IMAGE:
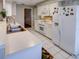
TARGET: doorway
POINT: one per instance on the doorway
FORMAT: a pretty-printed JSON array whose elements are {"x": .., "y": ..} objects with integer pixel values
[{"x": 27, "y": 18}]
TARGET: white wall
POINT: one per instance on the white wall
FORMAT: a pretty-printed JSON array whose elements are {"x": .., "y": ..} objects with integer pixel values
[
  {"x": 1, "y": 6},
  {"x": 9, "y": 8},
  {"x": 14, "y": 9},
  {"x": 20, "y": 13}
]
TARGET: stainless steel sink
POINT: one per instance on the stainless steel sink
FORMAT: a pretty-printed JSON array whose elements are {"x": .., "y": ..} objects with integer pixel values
[{"x": 14, "y": 30}]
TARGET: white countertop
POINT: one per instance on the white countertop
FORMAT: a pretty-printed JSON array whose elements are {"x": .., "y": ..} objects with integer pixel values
[
  {"x": 17, "y": 41},
  {"x": 21, "y": 40}
]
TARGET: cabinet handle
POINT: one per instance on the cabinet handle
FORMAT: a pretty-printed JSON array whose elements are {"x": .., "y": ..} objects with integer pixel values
[{"x": 56, "y": 24}]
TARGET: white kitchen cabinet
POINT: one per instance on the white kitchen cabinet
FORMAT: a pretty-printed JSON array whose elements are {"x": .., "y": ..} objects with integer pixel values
[
  {"x": 43, "y": 10},
  {"x": 46, "y": 11},
  {"x": 51, "y": 7},
  {"x": 48, "y": 30},
  {"x": 36, "y": 22},
  {"x": 39, "y": 10}
]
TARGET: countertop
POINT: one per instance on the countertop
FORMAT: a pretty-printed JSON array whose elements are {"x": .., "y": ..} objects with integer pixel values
[
  {"x": 21, "y": 40},
  {"x": 17, "y": 41}
]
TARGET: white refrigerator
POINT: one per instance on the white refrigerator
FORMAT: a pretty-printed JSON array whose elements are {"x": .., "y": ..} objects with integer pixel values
[{"x": 68, "y": 29}]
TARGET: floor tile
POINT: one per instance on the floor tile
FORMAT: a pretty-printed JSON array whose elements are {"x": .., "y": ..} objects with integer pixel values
[
  {"x": 59, "y": 56},
  {"x": 54, "y": 50},
  {"x": 71, "y": 57},
  {"x": 64, "y": 54},
  {"x": 47, "y": 44},
  {"x": 50, "y": 47}
]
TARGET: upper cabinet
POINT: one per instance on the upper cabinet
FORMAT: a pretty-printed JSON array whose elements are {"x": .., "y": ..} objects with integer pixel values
[
  {"x": 46, "y": 10},
  {"x": 52, "y": 8},
  {"x": 43, "y": 10}
]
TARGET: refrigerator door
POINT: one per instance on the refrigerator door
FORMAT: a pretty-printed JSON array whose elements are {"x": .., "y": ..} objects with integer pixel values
[
  {"x": 68, "y": 31},
  {"x": 55, "y": 26}
]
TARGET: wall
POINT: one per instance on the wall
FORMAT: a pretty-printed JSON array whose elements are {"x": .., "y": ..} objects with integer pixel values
[
  {"x": 20, "y": 13},
  {"x": 14, "y": 9},
  {"x": 9, "y": 8},
  {"x": 1, "y": 6}
]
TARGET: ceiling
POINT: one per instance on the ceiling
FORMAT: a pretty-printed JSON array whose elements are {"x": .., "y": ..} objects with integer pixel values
[
  {"x": 32, "y": 2},
  {"x": 27, "y": 2}
]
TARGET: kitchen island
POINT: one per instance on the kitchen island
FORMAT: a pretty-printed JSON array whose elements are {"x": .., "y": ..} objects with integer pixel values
[
  {"x": 23, "y": 45},
  {"x": 19, "y": 45}
]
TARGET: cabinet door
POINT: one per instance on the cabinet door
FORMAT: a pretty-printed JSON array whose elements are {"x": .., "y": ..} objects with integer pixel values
[
  {"x": 68, "y": 31},
  {"x": 36, "y": 25},
  {"x": 39, "y": 10},
  {"x": 56, "y": 34},
  {"x": 43, "y": 10},
  {"x": 51, "y": 8},
  {"x": 48, "y": 30}
]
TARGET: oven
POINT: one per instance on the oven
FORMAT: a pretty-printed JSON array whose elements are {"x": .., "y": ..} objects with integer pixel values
[{"x": 41, "y": 28}]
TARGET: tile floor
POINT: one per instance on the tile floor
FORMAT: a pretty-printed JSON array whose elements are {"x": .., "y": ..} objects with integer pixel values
[{"x": 51, "y": 48}]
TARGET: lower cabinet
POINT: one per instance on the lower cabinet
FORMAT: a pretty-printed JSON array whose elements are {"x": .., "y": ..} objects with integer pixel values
[
  {"x": 36, "y": 25},
  {"x": 48, "y": 31},
  {"x": 44, "y": 28}
]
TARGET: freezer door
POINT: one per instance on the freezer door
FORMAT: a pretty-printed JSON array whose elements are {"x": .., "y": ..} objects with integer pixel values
[{"x": 67, "y": 28}]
